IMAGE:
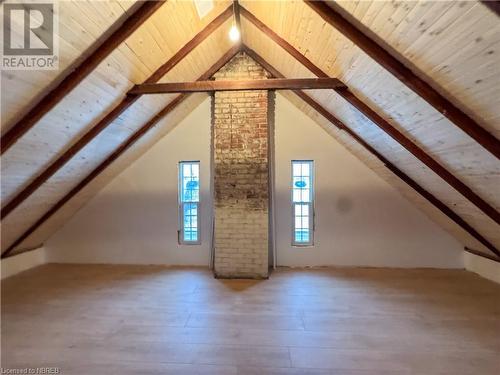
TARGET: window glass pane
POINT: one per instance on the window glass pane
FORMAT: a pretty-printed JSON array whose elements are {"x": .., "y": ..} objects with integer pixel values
[
  {"x": 301, "y": 223},
  {"x": 190, "y": 213},
  {"x": 189, "y": 196},
  {"x": 302, "y": 198},
  {"x": 298, "y": 222},
  {"x": 301, "y": 181},
  {"x": 301, "y": 236},
  {"x": 190, "y": 182},
  {"x": 305, "y": 169},
  {"x": 186, "y": 169},
  {"x": 296, "y": 195},
  {"x": 305, "y": 195},
  {"x": 304, "y": 209},
  {"x": 305, "y": 222},
  {"x": 296, "y": 168}
]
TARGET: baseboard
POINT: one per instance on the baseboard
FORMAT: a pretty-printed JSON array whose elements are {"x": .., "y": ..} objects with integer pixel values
[
  {"x": 22, "y": 262},
  {"x": 484, "y": 267}
]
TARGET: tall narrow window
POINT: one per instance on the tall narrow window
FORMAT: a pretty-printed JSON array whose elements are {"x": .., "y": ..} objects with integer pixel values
[
  {"x": 302, "y": 202},
  {"x": 189, "y": 202}
]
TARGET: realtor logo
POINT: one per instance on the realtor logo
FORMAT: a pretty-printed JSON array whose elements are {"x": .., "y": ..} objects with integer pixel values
[{"x": 29, "y": 36}]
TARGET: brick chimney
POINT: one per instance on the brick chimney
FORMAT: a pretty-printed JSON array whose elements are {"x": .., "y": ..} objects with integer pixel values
[{"x": 240, "y": 144}]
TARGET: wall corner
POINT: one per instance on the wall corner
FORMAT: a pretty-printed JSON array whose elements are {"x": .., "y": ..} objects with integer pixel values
[
  {"x": 487, "y": 268},
  {"x": 22, "y": 262}
]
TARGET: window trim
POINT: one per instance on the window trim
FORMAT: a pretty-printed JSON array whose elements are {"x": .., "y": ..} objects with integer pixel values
[
  {"x": 312, "y": 211},
  {"x": 180, "y": 205}
]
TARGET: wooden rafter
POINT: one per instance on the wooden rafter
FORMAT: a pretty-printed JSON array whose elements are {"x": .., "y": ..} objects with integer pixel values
[
  {"x": 86, "y": 67},
  {"x": 493, "y": 5},
  {"x": 481, "y": 254},
  {"x": 113, "y": 115},
  {"x": 407, "y": 179},
  {"x": 237, "y": 85},
  {"x": 119, "y": 151},
  {"x": 399, "y": 137},
  {"x": 236, "y": 10},
  {"x": 406, "y": 76}
]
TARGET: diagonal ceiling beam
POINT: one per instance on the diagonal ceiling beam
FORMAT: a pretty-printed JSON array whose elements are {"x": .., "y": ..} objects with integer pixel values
[
  {"x": 111, "y": 116},
  {"x": 408, "y": 180},
  {"x": 395, "y": 134},
  {"x": 79, "y": 73},
  {"x": 406, "y": 76},
  {"x": 236, "y": 11},
  {"x": 493, "y": 5},
  {"x": 119, "y": 151},
  {"x": 481, "y": 254}
]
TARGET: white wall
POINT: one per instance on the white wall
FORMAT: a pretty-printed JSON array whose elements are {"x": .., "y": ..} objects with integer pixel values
[
  {"x": 360, "y": 219},
  {"x": 22, "y": 262},
  {"x": 134, "y": 219}
]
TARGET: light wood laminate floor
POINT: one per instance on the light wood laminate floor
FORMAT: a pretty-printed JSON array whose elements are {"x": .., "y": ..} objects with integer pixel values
[{"x": 93, "y": 319}]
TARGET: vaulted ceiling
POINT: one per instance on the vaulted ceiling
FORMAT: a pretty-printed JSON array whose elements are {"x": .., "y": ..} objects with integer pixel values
[{"x": 95, "y": 131}]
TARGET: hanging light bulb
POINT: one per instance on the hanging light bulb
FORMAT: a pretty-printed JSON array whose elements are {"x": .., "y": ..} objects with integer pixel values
[{"x": 234, "y": 33}]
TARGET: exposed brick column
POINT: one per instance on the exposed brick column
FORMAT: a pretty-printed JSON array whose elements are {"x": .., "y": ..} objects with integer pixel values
[{"x": 241, "y": 174}]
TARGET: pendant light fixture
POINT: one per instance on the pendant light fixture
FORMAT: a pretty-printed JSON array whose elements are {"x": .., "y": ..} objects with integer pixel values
[{"x": 234, "y": 32}]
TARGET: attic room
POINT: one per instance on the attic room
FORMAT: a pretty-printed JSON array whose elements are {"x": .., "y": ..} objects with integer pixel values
[{"x": 250, "y": 187}]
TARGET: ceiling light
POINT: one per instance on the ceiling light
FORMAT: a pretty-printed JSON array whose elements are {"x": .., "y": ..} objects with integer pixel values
[{"x": 234, "y": 33}]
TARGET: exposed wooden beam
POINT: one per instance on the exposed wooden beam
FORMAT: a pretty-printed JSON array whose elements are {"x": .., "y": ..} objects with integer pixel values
[
  {"x": 72, "y": 80},
  {"x": 376, "y": 119},
  {"x": 192, "y": 44},
  {"x": 407, "y": 76},
  {"x": 481, "y": 254},
  {"x": 236, "y": 10},
  {"x": 421, "y": 155},
  {"x": 113, "y": 115},
  {"x": 408, "y": 180},
  {"x": 235, "y": 85},
  {"x": 119, "y": 151},
  {"x": 493, "y": 5}
]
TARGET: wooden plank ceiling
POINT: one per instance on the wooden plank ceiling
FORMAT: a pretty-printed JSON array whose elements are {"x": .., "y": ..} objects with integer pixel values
[
  {"x": 454, "y": 46},
  {"x": 410, "y": 114},
  {"x": 154, "y": 43}
]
